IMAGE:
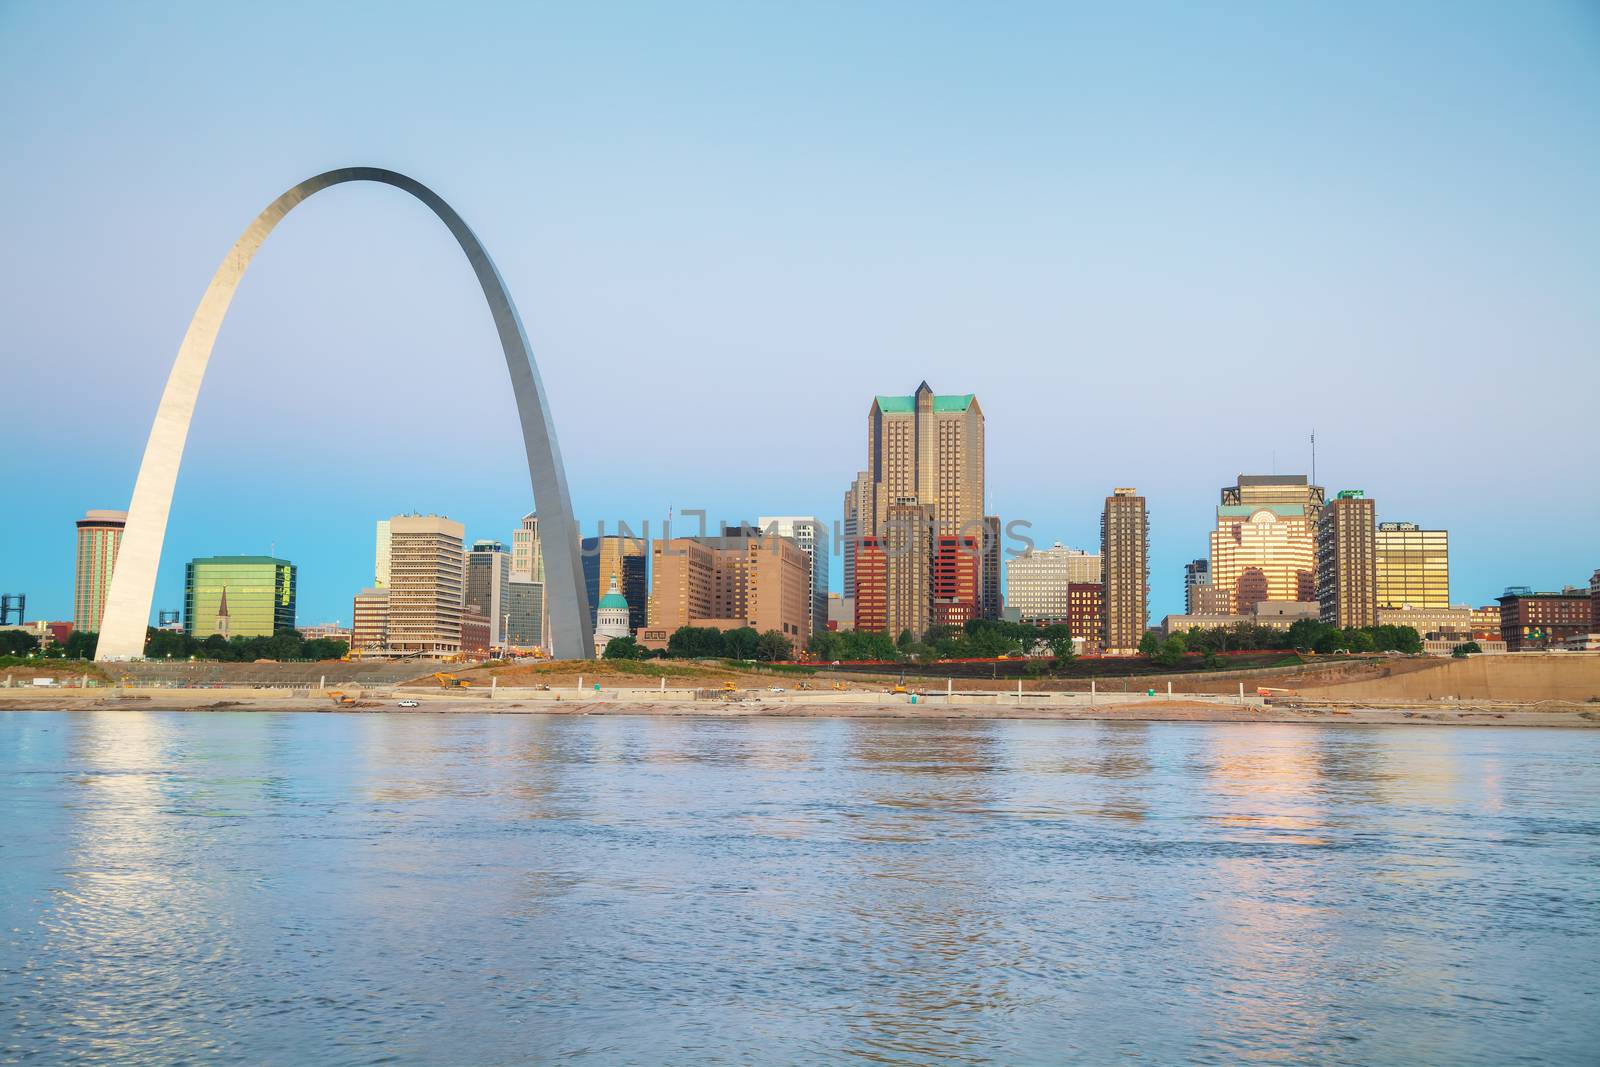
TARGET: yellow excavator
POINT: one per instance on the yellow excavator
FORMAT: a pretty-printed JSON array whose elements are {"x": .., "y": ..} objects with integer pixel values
[
  {"x": 340, "y": 698},
  {"x": 450, "y": 681}
]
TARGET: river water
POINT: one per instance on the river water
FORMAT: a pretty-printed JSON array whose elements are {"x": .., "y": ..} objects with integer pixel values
[{"x": 463, "y": 889}]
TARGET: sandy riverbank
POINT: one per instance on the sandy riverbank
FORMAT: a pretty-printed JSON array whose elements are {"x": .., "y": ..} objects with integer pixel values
[{"x": 1111, "y": 708}]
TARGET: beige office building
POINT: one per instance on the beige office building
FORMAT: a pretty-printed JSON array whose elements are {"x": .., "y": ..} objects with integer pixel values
[
  {"x": 99, "y": 538},
  {"x": 427, "y": 584},
  {"x": 1038, "y": 582},
  {"x": 1125, "y": 571},
  {"x": 924, "y": 453},
  {"x": 1265, "y": 543},
  {"x": 1346, "y": 565},
  {"x": 1413, "y": 566},
  {"x": 369, "y": 628},
  {"x": 927, "y": 449},
  {"x": 729, "y": 582},
  {"x": 527, "y": 559},
  {"x": 1457, "y": 621}
]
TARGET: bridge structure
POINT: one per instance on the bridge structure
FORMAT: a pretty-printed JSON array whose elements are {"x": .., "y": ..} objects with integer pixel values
[{"x": 128, "y": 602}]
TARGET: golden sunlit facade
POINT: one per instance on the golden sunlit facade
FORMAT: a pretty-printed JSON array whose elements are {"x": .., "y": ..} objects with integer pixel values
[
  {"x": 1265, "y": 543},
  {"x": 1413, "y": 566}
]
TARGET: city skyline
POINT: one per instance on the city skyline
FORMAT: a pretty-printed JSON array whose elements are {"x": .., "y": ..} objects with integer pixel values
[{"x": 1014, "y": 241}]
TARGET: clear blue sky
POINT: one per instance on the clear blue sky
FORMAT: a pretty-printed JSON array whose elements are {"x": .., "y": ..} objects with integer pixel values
[{"x": 1160, "y": 242}]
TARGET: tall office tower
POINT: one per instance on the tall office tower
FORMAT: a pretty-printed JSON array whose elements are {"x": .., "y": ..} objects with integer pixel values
[
  {"x": 990, "y": 596},
  {"x": 872, "y": 587},
  {"x": 526, "y": 608},
  {"x": 1124, "y": 571},
  {"x": 925, "y": 454},
  {"x": 527, "y": 565},
  {"x": 99, "y": 537},
  {"x": 1347, "y": 573},
  {"x": 909, "y": 542},
  {"x": 927, "y": 449},
  {"x": 427, "y": 584},
  {"x": 238, "y": 596},
  {"x": 808, "y": 532},
  {"x": 489, "y": 586},
  {"x": 380, "y": 559},
  {"x": 1413, "y": 566},
  {"x": 623, "y": 556},
  {"x": 957, "y": 562},
  {"x": 857, "y": 524},
  {"x": 527, "y": 558},
  {"x": 1039, "y": 580},
  {"x": 369, "y": 626},
  {"x": 739, "y": 579},
  {"x": 1265, "y": 543}
]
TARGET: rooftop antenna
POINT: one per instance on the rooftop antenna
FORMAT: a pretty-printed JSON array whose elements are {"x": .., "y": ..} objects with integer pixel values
[{"x": 1313, "y": 455}]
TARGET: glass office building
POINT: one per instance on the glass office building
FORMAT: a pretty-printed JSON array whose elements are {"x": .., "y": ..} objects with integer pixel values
[
  {"x": 1413, "y": 566},
  {"x": 238, "y": 596}
]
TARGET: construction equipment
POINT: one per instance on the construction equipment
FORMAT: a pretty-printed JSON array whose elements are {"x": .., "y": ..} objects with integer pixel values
[
  {"x": 341, "y": 698},
  {"x": 450, "y": 681}
]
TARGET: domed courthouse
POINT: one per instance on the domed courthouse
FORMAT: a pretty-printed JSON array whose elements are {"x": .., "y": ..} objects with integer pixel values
[{"x": 610, "y": 618}]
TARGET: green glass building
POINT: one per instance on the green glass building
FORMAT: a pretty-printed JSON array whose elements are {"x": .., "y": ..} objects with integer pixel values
[{"x": 238, "y": 596}]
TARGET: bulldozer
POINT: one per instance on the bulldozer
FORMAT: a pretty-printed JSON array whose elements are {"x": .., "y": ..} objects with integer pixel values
[
  {"x": 450, "y": 681},
  {"x": 340, "y": 698}
]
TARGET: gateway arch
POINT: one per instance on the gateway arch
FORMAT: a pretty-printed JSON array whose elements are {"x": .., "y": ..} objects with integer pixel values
[{"x": 133, "y": 581}]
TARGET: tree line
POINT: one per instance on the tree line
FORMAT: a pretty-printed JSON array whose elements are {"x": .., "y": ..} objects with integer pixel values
[{"x": 171, "y": 644}]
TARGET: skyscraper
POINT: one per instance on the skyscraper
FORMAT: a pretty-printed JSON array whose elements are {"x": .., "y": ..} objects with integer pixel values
[
  {"x": 99, "y": 537},
  {"x": 526, "y": 608},
  {"x": 909, "y": 543},
  {"x": 527, "y": 561},
  {"x": 1125, "y": 571},
  {"x": 238, "y": 596},
  {"x": 857, "y": 524},
  {"x": 925, "y": 474},
  {"x": 808, "y": 532},
  {"x": 1413, "y": 566},
  {"x": 380, "y": 557},
  {"x": 927, "y": 449},
  {"x": 1265, "y": 543},
  {"x": 1346, "y": 561},
  {"x": 623, "y": 556},
  {"x": 427, "y": 584},
  {"x": 989, "y": 591},
  {"x": 489, "y": 586}
]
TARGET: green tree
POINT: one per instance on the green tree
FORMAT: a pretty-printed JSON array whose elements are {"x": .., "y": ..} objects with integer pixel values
[
  {"x": 623, "y": 648},
  {"x": 18, "y": 643},
  {"x": 740, "y": 642},
  {"x": 1148, "y": 644},
  {"x": 905, "y": 639},
  {"x": 773, "y": 646},
  {"x": 1462, "y": 651},
  {"x": 1059, "y": 640},
  {"x": 1170, "y": 652},
  {"x": 695, "y": 642}
]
